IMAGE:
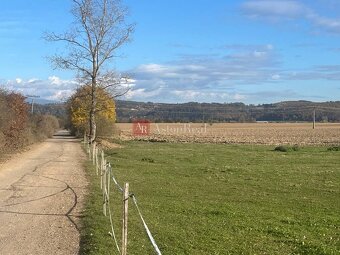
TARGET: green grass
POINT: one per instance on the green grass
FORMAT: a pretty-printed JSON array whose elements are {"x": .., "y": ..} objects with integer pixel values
[
  {"x": 94, "y": 232},
  {"x": 222, "y": 199}
]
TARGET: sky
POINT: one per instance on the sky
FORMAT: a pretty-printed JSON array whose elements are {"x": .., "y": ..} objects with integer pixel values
[{"x": 255, "y": 51}]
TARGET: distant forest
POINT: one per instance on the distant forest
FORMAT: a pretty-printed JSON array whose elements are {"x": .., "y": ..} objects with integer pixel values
[
  {"x": 292, "y": 111},
  {"x": 288, "y": 111}
]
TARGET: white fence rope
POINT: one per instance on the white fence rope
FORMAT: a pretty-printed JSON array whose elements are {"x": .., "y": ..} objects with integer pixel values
[
  {"x": 106, "y": 174},
  {"x": 152, "y": 240},
  {"x": 112, "y": 233}
]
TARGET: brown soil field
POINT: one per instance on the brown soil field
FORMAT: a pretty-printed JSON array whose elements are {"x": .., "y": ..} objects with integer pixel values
[{"x": 238, "y": 133}]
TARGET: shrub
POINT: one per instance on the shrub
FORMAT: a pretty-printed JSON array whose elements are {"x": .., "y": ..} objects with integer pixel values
[
  {"x": 48, "y": 124},
  {"x": 13, "y": 120},
  {"x": 283, "y": 148},
  {"x": 106, "y": 127},
  {"x": 334, "y": 148},
  {"x": 44, "y": 126}
]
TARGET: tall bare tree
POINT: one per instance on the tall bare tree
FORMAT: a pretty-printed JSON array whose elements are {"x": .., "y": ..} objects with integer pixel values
[{"x": 98, "y": 31}]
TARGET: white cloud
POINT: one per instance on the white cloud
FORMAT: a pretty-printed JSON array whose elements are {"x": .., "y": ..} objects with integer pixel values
[
  {"x": 54, "y": 80},
  {"x": 245, "y": 65},
  {"x": 239, "y": 97},
  {"x": 53, "y": 88},
  {"x": 220, "y": 78},
  {"x": 270, "y": 47},
  {"x": 33, "y": 80},
  {"x": 330, "y": 25},
  {"x": 259, "y": 54},
  {"x": 206, "y": 96},
  {"x": 142, "y": 94},
  {"x": 60, "y": 95},
  {"x": 205, "y": 78},
  {"x": 275, "y": 10},
  {"x": 276, "y": 77}
]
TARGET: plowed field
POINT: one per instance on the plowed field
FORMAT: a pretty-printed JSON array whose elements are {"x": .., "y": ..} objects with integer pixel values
[{"x": 239, "y": 133}]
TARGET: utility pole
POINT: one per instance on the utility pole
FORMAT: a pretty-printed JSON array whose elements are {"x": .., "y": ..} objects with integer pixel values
[
  {"x": 32, "y": 103},
  {"x": 314, "y": 118}
]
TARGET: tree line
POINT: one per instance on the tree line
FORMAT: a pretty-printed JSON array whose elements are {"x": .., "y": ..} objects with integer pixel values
[
  {"x": 289, "y": 111},
  {"x": 127, "y": 111}
]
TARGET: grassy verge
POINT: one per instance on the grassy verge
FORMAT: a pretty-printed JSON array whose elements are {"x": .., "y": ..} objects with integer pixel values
[
  {"x": 222, "y": 199},
  {"x": 94, "y": 236}
]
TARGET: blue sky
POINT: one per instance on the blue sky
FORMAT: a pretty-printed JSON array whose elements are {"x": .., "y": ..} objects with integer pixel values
[{"x": 208, "y": 51}]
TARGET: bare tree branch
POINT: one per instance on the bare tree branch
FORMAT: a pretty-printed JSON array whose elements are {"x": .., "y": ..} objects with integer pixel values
[{"x": 98, "y": 31}]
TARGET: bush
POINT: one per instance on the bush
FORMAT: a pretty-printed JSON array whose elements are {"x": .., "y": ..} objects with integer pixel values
[
  {"x": 106, "y": 127},
  {"x": 17, "y": 127},
  {"x": 47, "y": 125},
  {"x": 334, "y": 148},
  {"x": 13, "y": 120},
  {"x": 44, "y": 126},
  {"x": 283, "y": 148}
]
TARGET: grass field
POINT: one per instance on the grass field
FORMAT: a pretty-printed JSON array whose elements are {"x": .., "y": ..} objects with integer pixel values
[
  {"x": 222, "y": 199},
  {"x": 240, "y": 133}
]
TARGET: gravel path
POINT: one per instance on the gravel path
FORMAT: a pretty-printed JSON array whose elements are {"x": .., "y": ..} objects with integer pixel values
[{"x": 41, "y": 197}]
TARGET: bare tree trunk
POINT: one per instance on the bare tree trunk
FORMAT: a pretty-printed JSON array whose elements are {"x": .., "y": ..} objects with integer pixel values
[
  {"x": 93, "y": 126},
  {"x": 99, "y": 31}
]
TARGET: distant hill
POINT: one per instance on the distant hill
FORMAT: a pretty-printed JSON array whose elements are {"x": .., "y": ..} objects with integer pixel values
[
  {"x": 228, "y": 112},
  {"x": 288, "y": 111}
]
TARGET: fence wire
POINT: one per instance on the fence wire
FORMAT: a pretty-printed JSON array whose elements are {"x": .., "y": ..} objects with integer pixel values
[{"x": 106, "y": 173}]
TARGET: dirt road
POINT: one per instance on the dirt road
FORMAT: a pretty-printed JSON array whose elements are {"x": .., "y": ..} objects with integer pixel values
[{"x": 41, "y": 196}]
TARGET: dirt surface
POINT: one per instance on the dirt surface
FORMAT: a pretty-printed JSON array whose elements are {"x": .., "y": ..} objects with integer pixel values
[
  {"x": 238, "y": 133},
  {"x": 41, "y": 197}
]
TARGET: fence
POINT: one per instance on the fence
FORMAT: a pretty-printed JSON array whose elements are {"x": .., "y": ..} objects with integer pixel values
[{"x": 104, "y": 170}]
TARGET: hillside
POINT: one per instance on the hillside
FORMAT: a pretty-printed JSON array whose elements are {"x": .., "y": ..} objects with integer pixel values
[
  {"x": 214, "y": 112},
  {"x": 228, "y": 112}
]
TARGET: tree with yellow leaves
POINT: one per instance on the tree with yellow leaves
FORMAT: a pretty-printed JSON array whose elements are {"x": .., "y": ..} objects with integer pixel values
[{"x": 79, "y": 108}]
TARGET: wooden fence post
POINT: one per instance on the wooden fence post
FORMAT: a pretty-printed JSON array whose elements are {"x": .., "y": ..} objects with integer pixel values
[
  {"x": 108, "y": 181},
  {"x": 93, "y": 152},
  {"x": 101, "y": 162},
  {"x": 102, "y": 174},
  {"x": 89, "y": 150},
  {"x": 125, "y": 218},
  {"x": 104, "y": 191},
  {"x": 96, "y": 159}
]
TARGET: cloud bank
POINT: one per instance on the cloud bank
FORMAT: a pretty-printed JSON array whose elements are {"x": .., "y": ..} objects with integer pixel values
[
  {"x": 53, "y": 88},
  {"x": 224, "y": 78}
]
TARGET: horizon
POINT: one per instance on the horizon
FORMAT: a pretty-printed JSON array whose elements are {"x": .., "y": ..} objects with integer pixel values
[
  {"x": 45, "y": 101},
  {"x": 252, "y": 52}
]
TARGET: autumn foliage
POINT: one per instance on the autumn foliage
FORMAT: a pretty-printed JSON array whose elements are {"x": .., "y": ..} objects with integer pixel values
[
  {"x": 79, "y": 106},
  {"x": 18, "y": 127}
]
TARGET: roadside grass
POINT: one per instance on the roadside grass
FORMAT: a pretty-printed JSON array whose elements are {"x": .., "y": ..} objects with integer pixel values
[
  {"x": 222, "y": 199},
  {"x": 94, "y": 233}
]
